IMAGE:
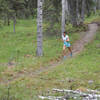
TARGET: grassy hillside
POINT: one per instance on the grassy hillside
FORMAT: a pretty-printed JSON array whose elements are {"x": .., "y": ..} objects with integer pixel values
[
  {"x": 19, "y": 49},
  {"x": 74, "y": 73},
  {"x": 17, "y": 54}
]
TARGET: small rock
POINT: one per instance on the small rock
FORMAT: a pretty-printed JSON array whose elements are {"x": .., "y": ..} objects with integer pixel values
[
  {"x": 98, "y": 46},
  {"x": 90, "y": 81},
  {"x": 67, "y": 97}
]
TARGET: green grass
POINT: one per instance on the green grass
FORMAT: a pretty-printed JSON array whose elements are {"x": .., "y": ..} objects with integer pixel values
[
  {"x": 80, "y": 70},
  {"x": 93, "y": 17},
  {"x": 20, "y": 48}
]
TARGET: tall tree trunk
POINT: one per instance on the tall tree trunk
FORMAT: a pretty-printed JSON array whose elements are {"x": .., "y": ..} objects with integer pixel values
[
  {"x": 77, "y": 11},
  {"x": 67, "y": 10},
  {"x": 82, "y": 11},
  {"x": 95, "y": 6},
  {"x": 88, "y": 8},
  {"x": 39, "y": 28},
  {"x": 14, "y": 23},
  {"x": 99, "y": 4},
  {"x": 63, "y": 16},
  {"x": 4, "y": 20},
  {"x": 8, "y": 19},
  {"x": 73, "y": 15}
]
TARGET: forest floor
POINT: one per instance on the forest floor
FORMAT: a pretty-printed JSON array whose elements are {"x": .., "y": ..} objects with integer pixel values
[
  {"x": 77, "y": 47},
  {"x": 29, "y": 81}
]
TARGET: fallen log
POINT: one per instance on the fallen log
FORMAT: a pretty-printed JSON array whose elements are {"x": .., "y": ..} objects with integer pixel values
[
  {"x": 71, "y": 94},
  {"x": 51, "y": 97},
  {"x": 82, "y": 94}
]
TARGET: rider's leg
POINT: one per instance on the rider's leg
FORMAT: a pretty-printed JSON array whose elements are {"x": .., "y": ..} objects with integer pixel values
[
  {"x": 69, "y": 48},
  {"x": 64, "y": 51}
]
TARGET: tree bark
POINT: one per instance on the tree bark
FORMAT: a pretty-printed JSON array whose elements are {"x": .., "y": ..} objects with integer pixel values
[
  {"x": 8, "y": 19},
  {"x": 39, "y": 28},
  {"x": 14, "y": 23},
  {"x": 82, "y": 11},
  {"x": 99, "y": 4},
  {"x": 66, "y": 8},
  {"x": 95, "y": 6},
  {"x": 77, "y": 11},
  {"x": 4, "y": 20},
  {"x": 67, "y": 11},
  {"x": 88, "y": 9},
  {"x": 73, "y": 15},
  {"x": 63, "y": 16}
]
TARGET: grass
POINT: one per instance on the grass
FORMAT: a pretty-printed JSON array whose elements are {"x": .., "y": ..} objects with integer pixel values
[
  {"x": 92, "y": 18},
  {"x": 19, "y": 49},
  {"x": 72, "y": 74}
]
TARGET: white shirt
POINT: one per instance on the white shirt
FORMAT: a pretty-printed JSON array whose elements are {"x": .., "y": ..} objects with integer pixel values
[{"x": 65, "y": 38}]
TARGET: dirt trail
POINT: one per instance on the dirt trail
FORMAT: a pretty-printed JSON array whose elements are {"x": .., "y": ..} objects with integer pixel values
[
  {"x": 88, "y": 37},
  {"x": 78, "y": 46}
]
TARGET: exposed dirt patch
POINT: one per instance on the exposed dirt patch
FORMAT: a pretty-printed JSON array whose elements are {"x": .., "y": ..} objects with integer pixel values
[{"x": 88, "y": 37}]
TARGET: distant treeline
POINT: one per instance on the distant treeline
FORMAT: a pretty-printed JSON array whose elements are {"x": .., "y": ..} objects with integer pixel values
[
  {"x": 11, "y": 9},
  {"x": 24, "y": 9}
]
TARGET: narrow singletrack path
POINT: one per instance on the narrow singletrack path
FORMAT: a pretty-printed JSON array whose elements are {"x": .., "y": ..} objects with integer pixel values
[
  {"x": 88, "y": 37},
  {"x": 78, "y": 46}
]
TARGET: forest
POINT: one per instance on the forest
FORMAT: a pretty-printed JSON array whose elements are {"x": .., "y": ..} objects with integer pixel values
[{"x": 32, "y": 64}]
